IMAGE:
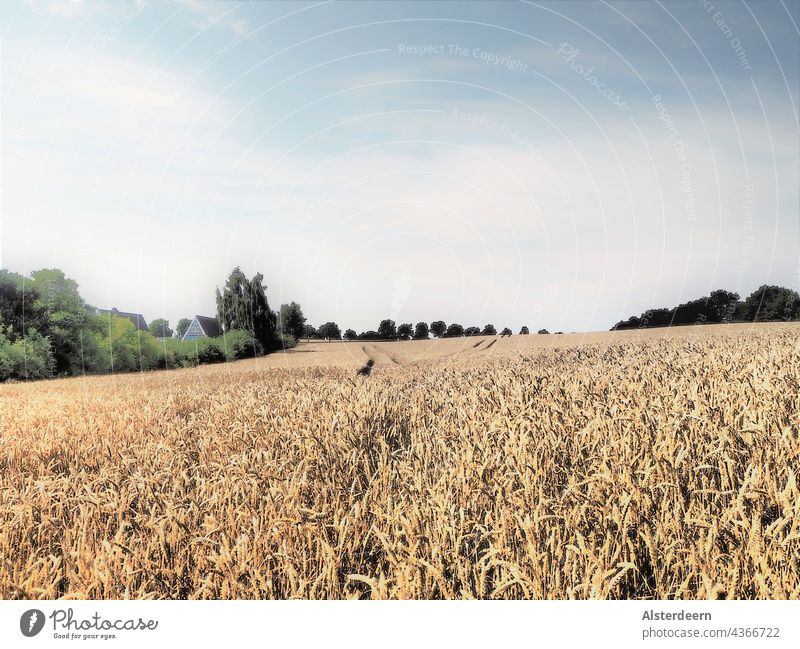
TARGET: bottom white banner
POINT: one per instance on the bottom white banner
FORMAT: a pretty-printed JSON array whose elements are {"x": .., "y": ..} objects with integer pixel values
[{"x": 397, "y": 624}]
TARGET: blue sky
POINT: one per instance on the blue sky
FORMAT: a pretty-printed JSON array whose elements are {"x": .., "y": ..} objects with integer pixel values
[{"x": 560, "y": 165}]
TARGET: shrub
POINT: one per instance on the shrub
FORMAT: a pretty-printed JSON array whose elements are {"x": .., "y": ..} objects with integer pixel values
[
  {"x": 126, "y": 348},
  {"x": 241, "y": 344},
  {"x": 175, "y": 353},
  {"x": 29, "y": 357},
  {"x": 209, "y": 350},
  {"x": 288, "y": 341},
  {"x": 231, "y": 346},
  {"x": 5, "y": 359}
]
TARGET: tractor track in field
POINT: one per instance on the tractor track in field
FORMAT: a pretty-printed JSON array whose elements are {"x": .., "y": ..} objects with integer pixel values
[
  {"x": 465, "y": 350},
  {"x": 381, "y": 352}
]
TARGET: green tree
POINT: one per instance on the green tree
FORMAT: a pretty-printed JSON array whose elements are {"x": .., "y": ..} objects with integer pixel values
[
  {"x": 28, "y": 357},
  {"x": 489, "y": 330},
  {"x": 95, "y": 358},
  {"x": 182, "y": 326},
  {"x": 421, "y": 331},
  {"x": 350, "y": 334},
  {"x": 472, "y": 331},
  {"x": 506, "y": 332},
  {"x": 128, "y": 348},
  {"x": 454, "y": 330},
  {"x": 387, "y": 330},
  {"x": 242, "y": 304},
  {"x": 309, "y": 332},
  {"x": 330, "y": 331},
  {"x": 159, "y": 328},
  {"x": 438, "y": 328},
  {"x": 405, "y": 331},
  {"x": 21, "y": 309},
  {"x": 770, "y": 303},
  {"x": 542, "y": 331},
  {"x": 291, "y": 319},
  {"x": 722, "y": 305},
  {"x": 524, "y": 331},
  {"x": 67, "y": 318}
]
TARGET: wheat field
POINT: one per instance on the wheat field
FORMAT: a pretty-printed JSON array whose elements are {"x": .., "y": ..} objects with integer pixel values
[{"x": 653, "y": 464}]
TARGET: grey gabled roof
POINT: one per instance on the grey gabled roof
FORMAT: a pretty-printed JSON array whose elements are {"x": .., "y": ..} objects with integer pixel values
[
  {"x": 209, "y": 325},
  {"x": 136, "y": 318}
]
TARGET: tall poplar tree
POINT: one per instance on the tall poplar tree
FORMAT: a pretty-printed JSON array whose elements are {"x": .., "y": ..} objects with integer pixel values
[{"x": 242, "y": 304}]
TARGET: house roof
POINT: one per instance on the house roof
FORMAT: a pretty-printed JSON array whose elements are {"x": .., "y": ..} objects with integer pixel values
[
  {"x": 136, "y": 318},
  {"x": 209, "y": 325}
]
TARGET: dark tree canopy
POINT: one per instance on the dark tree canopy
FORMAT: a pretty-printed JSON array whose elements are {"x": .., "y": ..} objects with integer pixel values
[
  {"x": 506, "y": 332},
  {"x": 472, "y": 331},
  {"x": 438, "y": 328},
  {"x": 369, "y": 335},
  {"x": 21, "y": 306},
  {"x": 329, "y": 331},
  {"x": 770, "y": 303},
  {"x": 291, "y": 320},
  {"x": 542, "y": 331},
  {"x": 387, "y": 329},
  {"x": 524, "y": 331},
  {"x": 350, "y": 335},
  {"x": 310, "y": 331},
  {"x": 405, "y": 331},
  {"x": 489, "y": 330},
  {"x": 767, "y": 303},
  {"x": 722, "y": 305},
  {"x": 242, "y": 304},
  {"x": 421, "y": 331},
  {"x": 454, "y": 330}
]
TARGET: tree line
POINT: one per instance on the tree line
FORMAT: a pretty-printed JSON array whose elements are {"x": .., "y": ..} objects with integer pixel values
[
  {"x": 47, "y": 329},
  {"x": 389, "y": 330},
  {"x": 765, "y": 304}
]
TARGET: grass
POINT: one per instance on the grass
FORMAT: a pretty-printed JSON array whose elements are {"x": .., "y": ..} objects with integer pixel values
[{"x": 653, "y": 464}]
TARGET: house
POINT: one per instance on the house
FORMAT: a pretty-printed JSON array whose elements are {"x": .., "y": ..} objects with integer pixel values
[
  {"x": 201, "y": 327},
  {"x": 136, "y": 318}
]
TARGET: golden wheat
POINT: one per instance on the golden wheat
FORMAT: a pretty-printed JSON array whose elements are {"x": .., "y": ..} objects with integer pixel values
[{"x": 636, "y": 465}]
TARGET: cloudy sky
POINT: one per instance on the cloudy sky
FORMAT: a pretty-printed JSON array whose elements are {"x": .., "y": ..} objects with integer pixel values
[{"x": 555, "y": 164}]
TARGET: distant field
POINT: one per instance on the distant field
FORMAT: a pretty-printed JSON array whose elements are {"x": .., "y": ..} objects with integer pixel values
[{"x": 637, "y": 464}]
